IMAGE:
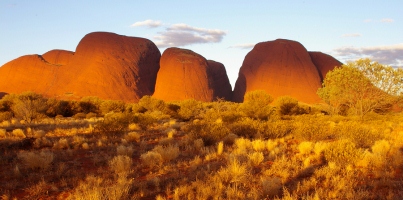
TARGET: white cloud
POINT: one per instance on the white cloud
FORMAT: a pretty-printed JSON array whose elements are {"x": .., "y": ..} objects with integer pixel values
[
  {"x": 351, "y": 35},
  {"x": 183, "y": 34},
  {"x": 390, "y": 54},
  {"x": 243, "y": 46},
  {"x": 387, "y": 20},
  {"x": 384, "y": 20},
  {"x": 148, "y": 23}
]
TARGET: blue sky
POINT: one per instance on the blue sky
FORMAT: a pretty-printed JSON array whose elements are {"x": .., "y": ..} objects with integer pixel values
[{"x": 224, "y": 31}]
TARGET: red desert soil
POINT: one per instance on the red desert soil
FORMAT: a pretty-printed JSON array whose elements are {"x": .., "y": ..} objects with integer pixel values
[
  {"x": 185, "y": 74},
  {"x": 282, "y": 67},
  {"x": 106, "y": 65}
]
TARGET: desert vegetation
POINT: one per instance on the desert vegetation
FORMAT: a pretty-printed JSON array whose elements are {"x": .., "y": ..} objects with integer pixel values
[{"x": 259, "y": 149}]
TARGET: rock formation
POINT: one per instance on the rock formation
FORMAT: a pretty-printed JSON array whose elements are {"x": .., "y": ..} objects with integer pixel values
[
  {"x": 185, "y": 74},
  {"x": 58, "y": 57},
  {"x": 324, "y": 62},
  {"x": 106, "y": 65},
  {"x": 282, "y": 67}
]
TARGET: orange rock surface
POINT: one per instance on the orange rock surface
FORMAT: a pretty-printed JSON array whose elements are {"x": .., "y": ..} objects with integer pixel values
[
  {"x": 106, "y": 65},
  {"x": 281, "y": 67},
  {"x": 58, "y": 57},
  {"x": 324, "y": 62},
  {"x": 185, "y": 74}
]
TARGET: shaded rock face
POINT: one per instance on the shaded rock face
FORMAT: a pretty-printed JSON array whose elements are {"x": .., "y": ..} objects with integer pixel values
[
  {"x": 185, "y": 74},
  {"x": 219, "y": 80},
  {"x": 324, "y": 62},
  {"x": 106, "y": 65},
  {"x": 2, "y": 94},
  {"x": 280, "y": 67}
]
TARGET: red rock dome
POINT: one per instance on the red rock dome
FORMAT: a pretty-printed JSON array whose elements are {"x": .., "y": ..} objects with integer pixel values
[
  {"x": 280, "y": 67},
  {"x": 58, "y": 57},
  {"x": 106, "y": 65},
  {"x": 27, "y": 73},
  {"x": 185, "y": 74}
]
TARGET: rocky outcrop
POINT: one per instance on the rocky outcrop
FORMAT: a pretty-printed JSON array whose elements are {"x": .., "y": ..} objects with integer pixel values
[
  {"x": 28, "y": 73},
  {"x": 281, "y": 67},
  {"x": 106, "y": 65},
  {"x": 185, "y": 74},
  {"x": 58, "y": 57},
  {"x": 219, "y": 80},
  {"x": 324, "y": 62}
]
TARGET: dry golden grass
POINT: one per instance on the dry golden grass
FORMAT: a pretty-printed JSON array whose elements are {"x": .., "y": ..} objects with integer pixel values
[{"x": 297, "y": 157}]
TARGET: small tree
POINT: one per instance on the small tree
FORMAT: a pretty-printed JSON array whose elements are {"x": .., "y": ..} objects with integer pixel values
[
  {"x": 384, "y": 77},
  {"x": 348, "y": 87},
  {"x": 29, "y": 106}
]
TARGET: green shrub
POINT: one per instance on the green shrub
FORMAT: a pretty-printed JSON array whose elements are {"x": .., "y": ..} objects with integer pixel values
[
  {"x": 5, "y": 116},
  {"x": 343, "y": 152},
  {"x": 115, "y": 123},
  {"x": 277, "y": 129},
  {"x": 362, "y": 135},
  {"x": 144, "y": 120},
  {"x": 312, "y": 129},
  {"x": 247, "y": 127},
  {"x": 289, "y": 106},
  {"x": 90, "y": 104},
  {"x": 286, "y": 105},
  {"x": 112, "y": 106},
  {"x": 29, "y": 106},
  {"x": 227, "y": 112},
  {"x": 152, "y": 104},
  {"x": 33, "y": 160},
  {"x": 257, "y": 105},
  {"x": 190, "y": 109},
  {"x": 210, "y": 133}
]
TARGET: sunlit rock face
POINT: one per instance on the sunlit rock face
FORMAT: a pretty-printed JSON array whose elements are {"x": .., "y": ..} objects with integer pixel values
[
  {"x": 106, "y": 65},
  {"x": 283, "y": 67},
  {"x": 185, "y": 74}
]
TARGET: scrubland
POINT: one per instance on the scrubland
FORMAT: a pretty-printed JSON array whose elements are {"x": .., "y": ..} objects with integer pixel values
[{"x": 95, "y": 149}]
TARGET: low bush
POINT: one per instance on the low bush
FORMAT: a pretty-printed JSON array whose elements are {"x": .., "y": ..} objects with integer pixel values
[
  {"x": 120, "y": 164},
  {"x": 210, "y": 133},
  {"x": 312, "y": 129},
  {"x": 257, "y": 105},
  {"x": 18, "y": 133},
  {"x": 277, "y": 129},
  {"x": 247, "y": 127},
  {"x": 34, "y": 160},
  {"x": 343, "y": 152},
  {"x": 167, "y": 153},
  {"x": 122, "y": 150},
  {"x": 3, "y": 133},
  {"x": 112, "y": 106},
  {"x": 287, "y": 105},
  {"x": 5, "y": 116},
  {"x": 190, "y": 109},
  {"x": 133, "y": 137},
  {"x": 151, "y": 159},
  {"x": 115, "y": 123},
  {"x": 144, "y": 120},
  {"x": 360, "y": 134}
]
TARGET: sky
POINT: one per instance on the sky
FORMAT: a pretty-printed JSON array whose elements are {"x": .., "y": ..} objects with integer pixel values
[{"x": 224, "y": 31}]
